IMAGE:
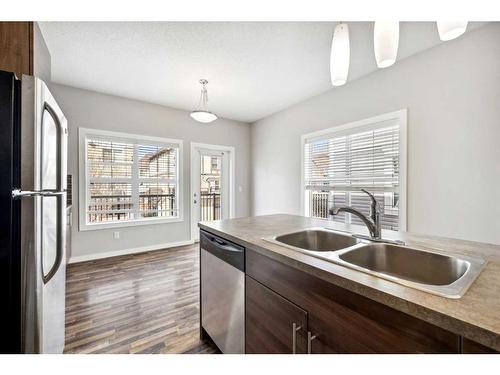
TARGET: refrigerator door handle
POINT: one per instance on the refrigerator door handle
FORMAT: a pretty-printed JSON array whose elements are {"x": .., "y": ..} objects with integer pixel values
[
  {"x": 61, "y": 133},
  {"x": 61, "y": 200},
  {"x": 17, "y": 193},
  {"x": 61, "y": 197}
]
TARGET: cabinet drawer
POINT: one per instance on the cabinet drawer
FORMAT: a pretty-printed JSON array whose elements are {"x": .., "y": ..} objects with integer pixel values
[{"x": 345, "y": 322}]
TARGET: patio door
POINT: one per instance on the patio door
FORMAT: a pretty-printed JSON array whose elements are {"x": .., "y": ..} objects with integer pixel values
[{"x": 211, "y": 184}]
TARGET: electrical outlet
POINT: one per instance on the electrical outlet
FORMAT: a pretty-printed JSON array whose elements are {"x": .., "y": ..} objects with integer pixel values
[{"x": 116, "y": 235}]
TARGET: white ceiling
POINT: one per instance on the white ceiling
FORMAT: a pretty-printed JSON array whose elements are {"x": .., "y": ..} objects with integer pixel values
[{"x": 254, "y": 69}]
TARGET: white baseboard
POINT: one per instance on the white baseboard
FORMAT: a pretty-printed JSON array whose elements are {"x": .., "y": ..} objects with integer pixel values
[{"x": 135, "y": 250}]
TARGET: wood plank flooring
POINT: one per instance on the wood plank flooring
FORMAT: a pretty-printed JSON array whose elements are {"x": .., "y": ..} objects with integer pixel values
[{"x": 140, "y": 303}]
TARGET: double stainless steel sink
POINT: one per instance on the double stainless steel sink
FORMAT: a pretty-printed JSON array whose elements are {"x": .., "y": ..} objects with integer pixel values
[{"x": 441, "y": 274}]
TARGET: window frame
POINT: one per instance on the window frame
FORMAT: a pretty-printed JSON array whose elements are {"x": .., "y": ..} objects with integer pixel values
[
  {"x": 401, "y": 117},
  {"x": 83, "y": 179}
]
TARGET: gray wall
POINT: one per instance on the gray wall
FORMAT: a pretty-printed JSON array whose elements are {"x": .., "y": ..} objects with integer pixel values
[
  {"x": 94, "y": 110},
  {"x": 452, "y": 93},
  {"x": 41, "y": 61}
]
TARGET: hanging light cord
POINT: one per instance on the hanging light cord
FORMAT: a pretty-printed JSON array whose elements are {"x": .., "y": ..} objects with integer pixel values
[{"x": 203, "y": 103}]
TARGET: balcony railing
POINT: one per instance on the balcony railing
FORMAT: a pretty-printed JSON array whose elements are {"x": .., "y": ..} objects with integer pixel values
[
  {"x": 120, "y": 207},
  {"x": 319, "y": 204},
  {"x": 210, "y": 206}
]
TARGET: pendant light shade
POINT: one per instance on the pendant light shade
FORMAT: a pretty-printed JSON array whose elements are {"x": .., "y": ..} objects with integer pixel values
[
  {"x": 449, "y": 30},
  {"x": 386, "y": 41},
  {"x": 340, "y": 55},
  {"x": 202, "y": 114}
]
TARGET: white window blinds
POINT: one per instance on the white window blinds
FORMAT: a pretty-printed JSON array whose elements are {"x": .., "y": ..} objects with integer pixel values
[
  {"x": 129, "y": 180},
  {"x": 338, "y": 165}
]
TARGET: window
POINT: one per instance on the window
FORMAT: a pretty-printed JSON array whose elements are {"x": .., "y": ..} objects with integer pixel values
[
  {"x": 371, "y": 155},
  {"x": 128, "y": 179}
]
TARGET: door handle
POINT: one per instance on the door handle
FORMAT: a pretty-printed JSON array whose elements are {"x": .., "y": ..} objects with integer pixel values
[
  {"x": 294, "y": 337},
  {"x": 61, "y": 200},
  {"x": 61, "y": 133},
  {"x": 61, "y": 204},
  {"x": 310, "y": 338},
  {"x": 59, "y": 193},
  {"x": 18, "y": 193}
]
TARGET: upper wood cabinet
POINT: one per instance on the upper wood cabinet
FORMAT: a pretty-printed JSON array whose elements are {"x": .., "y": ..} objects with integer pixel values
[
  {"x": 340, "y": 321},
  {"x": 273, "y": 324},
  {"x": 16, "y": 47}
]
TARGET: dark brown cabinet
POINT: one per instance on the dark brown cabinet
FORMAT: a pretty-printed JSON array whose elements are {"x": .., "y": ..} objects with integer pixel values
[
  {"x": 339, "y": 321},
  {"x": 471, "y": 347},
  {"x": 272, "y": 323},
  {"x": 352, "y": 329}
]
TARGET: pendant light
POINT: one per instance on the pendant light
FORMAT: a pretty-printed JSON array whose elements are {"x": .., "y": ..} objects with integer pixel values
[
  {"x": 449, "y": 30},
  {"x": 202, "y": 114},
  {"x": 340, "y": 55},
  {"x": 386, "y": 41}
]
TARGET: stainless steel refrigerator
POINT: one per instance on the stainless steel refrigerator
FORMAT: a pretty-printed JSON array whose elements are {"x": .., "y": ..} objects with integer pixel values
[{"x": 33, "y": 154}]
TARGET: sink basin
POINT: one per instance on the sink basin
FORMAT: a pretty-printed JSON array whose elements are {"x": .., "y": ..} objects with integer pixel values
[
  {"x": 440, "y": 274},
  {"x": 406, "y": 263},
  {"x": 443, "y": 275},
  {"x": 317, "y": 240}
]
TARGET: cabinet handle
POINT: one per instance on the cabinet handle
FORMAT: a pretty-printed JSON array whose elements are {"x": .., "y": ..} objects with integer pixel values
[
  {"x": 310, "y": 338},
  {"x": 294, "y": 337}
]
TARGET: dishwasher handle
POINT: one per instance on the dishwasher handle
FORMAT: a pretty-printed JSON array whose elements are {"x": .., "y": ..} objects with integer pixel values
[
  {"x": 225, "y": 250},
  {"x": 227, "y": 247}
]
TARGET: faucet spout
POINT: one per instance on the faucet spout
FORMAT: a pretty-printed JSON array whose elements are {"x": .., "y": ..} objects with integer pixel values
[{"x": 372, "y": 222}]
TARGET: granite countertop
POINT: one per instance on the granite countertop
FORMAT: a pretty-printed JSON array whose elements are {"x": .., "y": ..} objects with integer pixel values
[{"x": 475, "y": 316}]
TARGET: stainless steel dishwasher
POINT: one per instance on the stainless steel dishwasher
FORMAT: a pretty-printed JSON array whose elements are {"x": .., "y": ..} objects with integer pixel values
[{"x": 222, "y": 278}]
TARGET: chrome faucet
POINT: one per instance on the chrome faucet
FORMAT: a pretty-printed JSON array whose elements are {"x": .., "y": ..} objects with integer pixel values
[{"x": 372, "y": 222}]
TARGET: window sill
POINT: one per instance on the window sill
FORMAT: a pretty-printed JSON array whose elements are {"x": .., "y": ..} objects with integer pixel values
[{"x": 131, "y": 223}]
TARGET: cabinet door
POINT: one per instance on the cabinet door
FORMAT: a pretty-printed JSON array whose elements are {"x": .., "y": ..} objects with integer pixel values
[
  {"x": 16, "y": 47},
  {"x": 272, "y": 322},
  {"x": 366, "y": 327},
  {"x": 471, "y": 347}
]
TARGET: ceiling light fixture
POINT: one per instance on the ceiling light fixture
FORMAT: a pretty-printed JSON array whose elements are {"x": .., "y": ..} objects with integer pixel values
[
  {"x": 449, "y": 30},
  {"x": 202, "y": 114},
  {"x": 340, "y": 55},
  {"x": 386, "y": 41}
]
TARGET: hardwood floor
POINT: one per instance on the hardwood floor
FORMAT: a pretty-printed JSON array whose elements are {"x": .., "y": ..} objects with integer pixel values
[{"x": 140, "y": 303}]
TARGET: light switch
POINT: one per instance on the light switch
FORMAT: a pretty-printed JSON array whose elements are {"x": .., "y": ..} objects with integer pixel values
[
  {"x": 240, "y": 189},
  {"x": 116, "y": 235}
]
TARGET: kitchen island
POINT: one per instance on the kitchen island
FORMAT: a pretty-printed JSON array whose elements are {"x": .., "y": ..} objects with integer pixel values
[{"x": 295, "y": 302}]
